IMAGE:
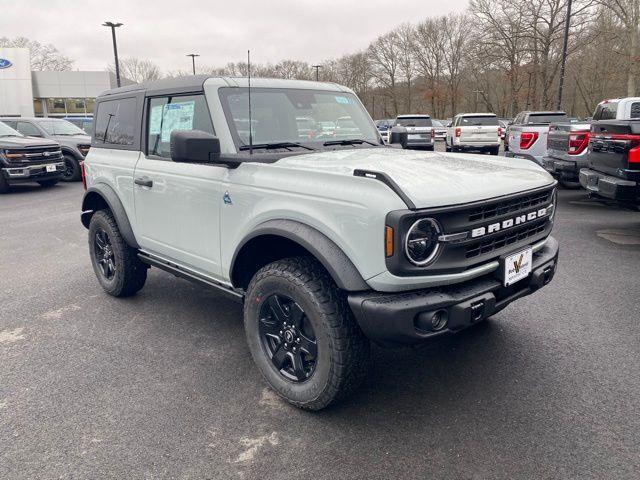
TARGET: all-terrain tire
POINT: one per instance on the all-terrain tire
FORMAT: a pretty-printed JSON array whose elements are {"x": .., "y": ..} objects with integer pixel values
[
  {"x": 129, "y": 273},
  {"x": 343, "y": 352}
]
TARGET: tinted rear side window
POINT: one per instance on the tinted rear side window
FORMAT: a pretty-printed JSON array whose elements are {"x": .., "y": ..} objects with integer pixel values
[
  {"x": 606, "y": 111},
  {"x": 478, "y": 121},
  {"x": 115, "y": 122},
  {"x": 548, "y": 118},
  {"x": 414, "y": 122},
  {"x": 635, "y": 110}
]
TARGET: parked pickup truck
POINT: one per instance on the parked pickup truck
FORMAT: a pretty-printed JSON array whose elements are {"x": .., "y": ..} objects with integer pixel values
[
  {"x": 528, "y": 134},
  {"x": 567, "y": 152},
  {"x": 330, "y": 243},
  {"x": 613, "y": 170},
  {"x": 28, "y": 159}
]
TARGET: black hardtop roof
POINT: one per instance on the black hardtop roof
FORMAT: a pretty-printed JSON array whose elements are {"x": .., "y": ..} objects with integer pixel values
[{"x": 190, "y": 83}]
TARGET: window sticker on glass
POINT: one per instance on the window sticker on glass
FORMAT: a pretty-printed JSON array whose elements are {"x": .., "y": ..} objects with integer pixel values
[
  {"x": 177, "y": 116},
  {"x": 343, "y": 100},
  {"x": 155, "y": 120}
]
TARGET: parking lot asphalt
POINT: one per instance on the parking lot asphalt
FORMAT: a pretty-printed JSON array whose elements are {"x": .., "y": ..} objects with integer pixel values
[{"x": 162, "y": 385}]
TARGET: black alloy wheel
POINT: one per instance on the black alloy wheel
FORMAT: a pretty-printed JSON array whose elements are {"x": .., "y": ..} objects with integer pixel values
[
  {"x": 104, "y": 254},
  {"x": 288, "y": 338}
]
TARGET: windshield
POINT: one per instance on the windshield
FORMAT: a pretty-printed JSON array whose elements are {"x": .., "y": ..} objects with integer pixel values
[
  {"x": 60, "y": 127},
  {"x": 7, "y": 131},
  {"x": 413, "y": 121},
  {"x": 286, "y": 115},
  {"x": 479, "y": 121}
]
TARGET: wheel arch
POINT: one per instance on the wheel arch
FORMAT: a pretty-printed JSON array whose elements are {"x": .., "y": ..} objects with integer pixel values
[
  {"x": 69, "y": 151},
  {"x": 102, "y": 196},
  {"x": 277, "y": 239}
]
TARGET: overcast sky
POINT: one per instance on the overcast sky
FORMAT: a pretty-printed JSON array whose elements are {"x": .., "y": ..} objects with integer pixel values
[{"x": 220, "y": 31}]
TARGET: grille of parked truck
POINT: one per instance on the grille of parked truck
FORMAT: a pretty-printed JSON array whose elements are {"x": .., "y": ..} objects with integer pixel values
[
  {"x": 474, "y": 131},
  {"x": 528, "y": 134},
  {"x": 329, "y": 241},
  {"x": 28, "y": 159}
]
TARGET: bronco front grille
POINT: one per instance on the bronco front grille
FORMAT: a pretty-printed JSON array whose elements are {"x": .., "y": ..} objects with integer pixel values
[
  {"x": 509, "y": 237},
  {"x": 515, "y": 205}
]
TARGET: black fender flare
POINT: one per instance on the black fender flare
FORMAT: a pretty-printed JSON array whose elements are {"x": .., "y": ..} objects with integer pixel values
[
  {"x": 334, "y": 260},
  {"x": 69, "y": 151},
  {"x": 101, "y": 194}
]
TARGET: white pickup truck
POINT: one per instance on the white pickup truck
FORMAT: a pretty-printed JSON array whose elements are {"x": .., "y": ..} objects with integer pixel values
[{"x": 527, "y": 135}]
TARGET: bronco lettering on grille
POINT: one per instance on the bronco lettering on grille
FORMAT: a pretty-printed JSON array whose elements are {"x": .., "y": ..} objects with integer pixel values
[{"x": 510, "y": 222}]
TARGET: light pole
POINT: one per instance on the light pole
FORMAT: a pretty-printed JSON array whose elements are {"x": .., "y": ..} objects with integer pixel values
[
  {"x": 193, "y": 60},
  {"x": 317, "y": 67},
  {"x": 113, "y": 27},
  {"x": 564, "y": 53}
]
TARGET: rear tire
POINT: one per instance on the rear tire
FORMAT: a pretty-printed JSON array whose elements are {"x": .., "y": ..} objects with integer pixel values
[
  {"x": 494, "y": 151},
  {"x": 431, "y": 148},
  {"x": 47, "y": 183},
  {"x": 72, "y": 172},
  {"x": 302, "y": 335},
  {"x": 116, "y": 265}
]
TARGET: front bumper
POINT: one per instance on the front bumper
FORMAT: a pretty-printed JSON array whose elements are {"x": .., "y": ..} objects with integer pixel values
[
  {"x": 562, "y": 169},
  {"x": 32, "y": 173},
  {"x": 606, "y": 186},
  {"x": 404, "y": 318}
]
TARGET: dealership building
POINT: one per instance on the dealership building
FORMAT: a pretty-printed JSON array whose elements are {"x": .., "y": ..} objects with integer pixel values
[{"x": 46, "y": 94}]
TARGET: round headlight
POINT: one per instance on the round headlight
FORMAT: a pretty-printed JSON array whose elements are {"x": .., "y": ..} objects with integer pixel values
[{"x": 421, "y": 243}]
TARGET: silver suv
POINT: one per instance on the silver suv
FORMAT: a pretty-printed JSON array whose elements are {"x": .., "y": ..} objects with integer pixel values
[{"x": 330, "y": 241}]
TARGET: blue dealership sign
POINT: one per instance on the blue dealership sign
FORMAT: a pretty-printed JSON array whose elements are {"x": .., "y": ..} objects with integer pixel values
[{"x": 4, "y": 63}]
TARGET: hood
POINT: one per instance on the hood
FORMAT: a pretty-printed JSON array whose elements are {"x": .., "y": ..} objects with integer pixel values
[
  {"x": 26, "y": 142},
  {"x": 72, "y": 139},
  {"x": 431, "y": 179}
]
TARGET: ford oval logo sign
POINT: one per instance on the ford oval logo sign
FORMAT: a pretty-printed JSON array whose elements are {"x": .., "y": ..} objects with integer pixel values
[{"x": 4, "y": 63}]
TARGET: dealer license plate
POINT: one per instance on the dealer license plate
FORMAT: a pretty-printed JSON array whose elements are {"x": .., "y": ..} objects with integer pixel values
[
  {"x": 51, "y": 168},
  {"x": 517, "y": 266}
]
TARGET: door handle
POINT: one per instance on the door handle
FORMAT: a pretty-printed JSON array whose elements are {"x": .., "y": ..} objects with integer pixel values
[{"x": 144, "y": 182}]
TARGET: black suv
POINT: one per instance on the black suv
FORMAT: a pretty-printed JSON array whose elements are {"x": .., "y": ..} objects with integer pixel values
[{"x": 28, "y": 159}]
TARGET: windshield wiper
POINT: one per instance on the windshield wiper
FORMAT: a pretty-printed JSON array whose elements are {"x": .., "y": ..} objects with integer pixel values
[
  {"x": 352, "y": 141},
  {"x": 274, "y": 145}
]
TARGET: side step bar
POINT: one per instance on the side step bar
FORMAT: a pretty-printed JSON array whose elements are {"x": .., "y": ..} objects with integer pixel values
[{"x": 190, "y": 275}]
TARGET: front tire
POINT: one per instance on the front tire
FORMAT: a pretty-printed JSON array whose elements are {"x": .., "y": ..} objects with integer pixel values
[
  {"x": 302, "y": 334},
  {"x": 4, "y": 185},
  {"x": 72, "y": 172},
  {"x": 47, "y": 183},
  {"x": 116, "y": 265}
]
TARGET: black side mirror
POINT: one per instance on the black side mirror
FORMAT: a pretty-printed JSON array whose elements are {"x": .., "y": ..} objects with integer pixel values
[
  {"x": 194, "y": 146},
  {"x": 398, "y": 136}
]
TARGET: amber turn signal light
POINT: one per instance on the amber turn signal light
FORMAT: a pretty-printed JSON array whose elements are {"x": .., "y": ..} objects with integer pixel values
[{"x": 388, "y": 241}]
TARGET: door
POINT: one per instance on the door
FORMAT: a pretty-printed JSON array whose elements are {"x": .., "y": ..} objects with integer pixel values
[{"x": 178, "y": 204}]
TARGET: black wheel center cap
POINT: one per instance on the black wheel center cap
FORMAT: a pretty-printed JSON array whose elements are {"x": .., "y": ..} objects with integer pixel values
[{"x": 288, "y": 336}]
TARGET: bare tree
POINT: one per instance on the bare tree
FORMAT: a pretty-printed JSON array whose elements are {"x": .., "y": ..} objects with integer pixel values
[
  {"x": 137, "y": 70},
  {"x": 384, "y": 57},
  {"x": 43, "y": 56}
]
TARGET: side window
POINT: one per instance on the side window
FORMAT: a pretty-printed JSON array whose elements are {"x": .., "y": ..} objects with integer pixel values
[
  {"x": 28, "y": 129},
  {"x": 166, "y": 114},
  {"x": 10, "y": 123},
  {"x": 115, "y": 122},
  {"x": 635, "y": 110}
]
